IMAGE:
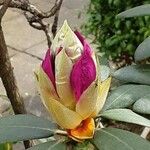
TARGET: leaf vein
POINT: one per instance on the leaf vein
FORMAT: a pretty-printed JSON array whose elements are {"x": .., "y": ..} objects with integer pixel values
[
  {"x": 126, "y": 144},
  {"x": 118, "y": 97}
]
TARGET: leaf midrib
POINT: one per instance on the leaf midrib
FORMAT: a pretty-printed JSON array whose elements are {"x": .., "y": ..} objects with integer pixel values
[
  {"x": 46, "y": 129},
  {"x": 118, "y": 97},
  {"x": 126, "y": 144}
]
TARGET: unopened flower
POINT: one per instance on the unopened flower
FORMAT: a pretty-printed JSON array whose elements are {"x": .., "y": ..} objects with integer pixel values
[{"x": 70, "y": 85}]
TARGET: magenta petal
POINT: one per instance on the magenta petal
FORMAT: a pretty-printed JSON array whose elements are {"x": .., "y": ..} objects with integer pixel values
[
  {"x": 83, "y": 40},
  {"x": 83, "y": 73},
  {"x": 48, "y": 66},
  {"x": 80, "y": 37}
]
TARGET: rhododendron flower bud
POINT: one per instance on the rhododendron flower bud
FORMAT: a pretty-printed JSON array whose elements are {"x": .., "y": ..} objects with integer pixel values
[{"x": 69, "y": 84}]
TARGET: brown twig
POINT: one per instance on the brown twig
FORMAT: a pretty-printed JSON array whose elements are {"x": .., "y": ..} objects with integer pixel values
[
  {"x": 7, "y": 75},
  {"x": 26, "y": 6},
  {"x": 35, "y": 16},
  {"x": 6, "y": 72},
  {"x": 55, "y": 23},
  {"x": 39, "y": 24},
  {"x": 36, "y": 20},
  {"x": 4, "y": 8}
]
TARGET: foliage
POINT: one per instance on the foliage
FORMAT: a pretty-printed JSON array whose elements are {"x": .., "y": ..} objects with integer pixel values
[
  {"x": 27, "y": 126},
  {"x": 116, "y": 139},
  {"x": 114, "y": 37},
  {"x": 135, "y": 93},
  {"x": 51, "y": 145}
]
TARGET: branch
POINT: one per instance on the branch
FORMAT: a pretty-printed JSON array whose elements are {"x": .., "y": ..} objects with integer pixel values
[
  {"x": 26, "y": 6},
  {"x": 39, "y": 24},
  {"x": 7, "y": 75},
  {"x": 35, "y": 16},
  {"x": 4, "y": 8},
  {"x": 55, "y": 23}
]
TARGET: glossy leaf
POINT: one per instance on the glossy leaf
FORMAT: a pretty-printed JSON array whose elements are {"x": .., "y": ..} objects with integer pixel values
[
  {"x": 143, "y": 50},
  {"x": 134, "y": 74},
  {"x": 142, "y": 10},
  {"x": 125, "y": 96},
  {"x": 125, "y": 115},
  {"x": 117, "y": 139},
  {"x": 51, "y": 145},
  {"x": 24, "y": 127},
  {"x": 142, "y": 105}
]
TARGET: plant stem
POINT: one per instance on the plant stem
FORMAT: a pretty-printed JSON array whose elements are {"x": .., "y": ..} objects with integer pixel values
[
  {"x": 145, "y": 132},
  {"x": 8, "y": 79},
  {"x": 61, "y": 132},
  {"x": 7, "y": 75}
]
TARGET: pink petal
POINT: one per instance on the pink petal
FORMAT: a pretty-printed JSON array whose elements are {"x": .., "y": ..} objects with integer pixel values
[
  {"x": 83, "y": 72},
  {"x": 83, "y": 41},
  {"x": 48, "y": 66},
  {"x": 80, "y": 37}
]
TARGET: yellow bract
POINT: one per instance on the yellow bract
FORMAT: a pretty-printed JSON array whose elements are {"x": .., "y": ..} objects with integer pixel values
[
  {"x": 67, "y": 39},
  {"x": 87, "y": 101},
  {"x": 64, "y": 117},
  {"x": 63, "y": 67},
  {"x": 45, "y": 86},
  {"x": 103, "y": 92}
]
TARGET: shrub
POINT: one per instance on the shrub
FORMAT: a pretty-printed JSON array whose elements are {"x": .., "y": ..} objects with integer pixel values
[{"x": 114, "y": 37}]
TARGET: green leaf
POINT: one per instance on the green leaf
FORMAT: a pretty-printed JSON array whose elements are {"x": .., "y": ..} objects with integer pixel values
[
  {"x": 125, "y": 96},
  {"x": 51, "y": 145},
  {"x": 86, "y": 145},
  {"x": 117, "y": 139},
  {"x": 135, "y": 74},
  {"x": 142, "y": 10},
  {"x": 24, "y": 127},
  {"x": 142, "y": 105},
  {"x": 105, "y": 72},
  {"x": 125, "y": 115},
  {"x": 143, "y": 50}
]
